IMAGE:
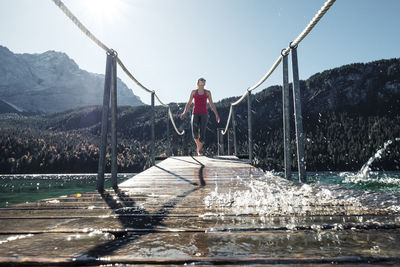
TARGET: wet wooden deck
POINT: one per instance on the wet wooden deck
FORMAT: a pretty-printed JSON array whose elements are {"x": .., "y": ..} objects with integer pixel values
[{"x": 159, "y": 217}]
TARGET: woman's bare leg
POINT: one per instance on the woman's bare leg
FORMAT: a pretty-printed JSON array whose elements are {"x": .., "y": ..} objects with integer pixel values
[
  {"x": 200, "y": 147},
  {"x": 197, "y": 141}
]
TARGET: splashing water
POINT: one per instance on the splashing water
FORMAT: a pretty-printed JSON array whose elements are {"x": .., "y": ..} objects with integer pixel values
[
  {"x": 366, "y": 176},
  {"x": 273, "y": 195},
  {"x": 366, "y": 167}
]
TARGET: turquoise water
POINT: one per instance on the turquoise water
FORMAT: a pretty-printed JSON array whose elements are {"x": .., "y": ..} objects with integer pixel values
[
  {"x": 22, "y": 188},
  {"x": 16, "y": 189},
  {"x": 388, "y": 182}
]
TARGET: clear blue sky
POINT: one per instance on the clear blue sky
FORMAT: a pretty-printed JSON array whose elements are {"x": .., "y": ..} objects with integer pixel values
[{"x": 167, "y": 44}]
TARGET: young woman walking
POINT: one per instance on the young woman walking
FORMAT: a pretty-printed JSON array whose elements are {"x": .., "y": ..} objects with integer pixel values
[{"x": 200, "y": 113}]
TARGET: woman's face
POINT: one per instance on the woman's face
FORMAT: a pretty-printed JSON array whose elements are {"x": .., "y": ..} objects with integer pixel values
[{"x": 201, "y": 82}]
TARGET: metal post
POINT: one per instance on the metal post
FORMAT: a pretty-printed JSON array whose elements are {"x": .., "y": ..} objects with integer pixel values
[
  {"x": 218, "y": 142},
  {"x": 104, "y": 125},
  {"x": 286, "y": 119},
  {"x": 222, "y": 142},
  {"x": 250, "y": 127},
  {"x": 298, "y": 117},
  {"x": 174, "y": 145},
  {"x": 153, "y": 152},
  {"x": 114, "y": 152},
  {"x": 234, "y": 131},
  {"x": 228, "y": 139},
  {"x": 185, "y": 137},
  {"x": 168, "y": 139}
]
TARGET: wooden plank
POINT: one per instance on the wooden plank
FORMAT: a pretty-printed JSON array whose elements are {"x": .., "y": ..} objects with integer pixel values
[
  {"x": 206, "y": 223},
  {"x": 224, "y": 261},
  {"x": 191, "y": 245}
]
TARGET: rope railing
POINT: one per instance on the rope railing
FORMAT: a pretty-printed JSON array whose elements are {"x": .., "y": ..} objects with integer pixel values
[
  {"x": 91, "y": 36},
  {"x": 284, "y": 52},
  {"x": 82, "y": 27},
  {"x": 312, "y": 23},
  {"x": 110, "y": 82},
  {"x": 127, "y": 72}
]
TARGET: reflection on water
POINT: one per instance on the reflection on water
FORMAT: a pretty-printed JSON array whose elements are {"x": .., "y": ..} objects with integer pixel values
[{"x": 22, "y": 188}]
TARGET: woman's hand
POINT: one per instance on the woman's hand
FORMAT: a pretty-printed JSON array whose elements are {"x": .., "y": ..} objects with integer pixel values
[
  {"x": 217, "y": 118},
  {"x": 182, "y": 116}
]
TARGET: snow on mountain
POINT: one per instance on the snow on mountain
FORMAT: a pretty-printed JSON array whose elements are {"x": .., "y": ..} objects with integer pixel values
[{"x": 52, "y": 82}]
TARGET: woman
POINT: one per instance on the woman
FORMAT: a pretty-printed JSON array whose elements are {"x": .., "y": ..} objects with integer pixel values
[{"x": 200, "y": 113}]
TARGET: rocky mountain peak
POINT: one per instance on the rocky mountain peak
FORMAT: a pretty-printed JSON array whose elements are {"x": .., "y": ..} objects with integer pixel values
[{"x": 52, "y": 82}]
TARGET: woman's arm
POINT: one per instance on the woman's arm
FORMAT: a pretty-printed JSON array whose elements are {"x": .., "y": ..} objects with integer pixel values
[
  {"x": 187, "y": 107},
  {"x": 212, "y": 106}
]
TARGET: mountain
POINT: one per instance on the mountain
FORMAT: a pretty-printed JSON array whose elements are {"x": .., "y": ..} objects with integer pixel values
[
  {"x": 52, "y": 82},
  {"x": 348, "y": 114}
]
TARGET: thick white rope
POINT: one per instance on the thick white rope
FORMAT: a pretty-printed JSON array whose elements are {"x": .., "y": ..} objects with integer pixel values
[
  {"x": 173, "y": 123},
  {"x": 266, "y": 76},
  {"x": 285, "y": 52},
  {"x": 170, "y": 115},
  {"x": 313, "y": 22},
  {"x": 86, "y": 31},
  {"x": 131, "y": 76},
  {"x": 82, "y": 27},
  {"x": 159, "y": 101}
]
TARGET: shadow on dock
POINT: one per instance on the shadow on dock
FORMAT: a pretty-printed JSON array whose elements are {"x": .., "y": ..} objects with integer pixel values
[
  {"x": 136, "y": 221},
  {"x": 201, "y": 172},
  {"x": 177, "y": 175}
]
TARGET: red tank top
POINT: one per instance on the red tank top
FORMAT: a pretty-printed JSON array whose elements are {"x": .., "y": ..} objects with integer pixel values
[{"x": 200, "y": 103}]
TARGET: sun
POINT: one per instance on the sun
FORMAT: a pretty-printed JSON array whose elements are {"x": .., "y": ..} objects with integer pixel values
[{"x": 102, "y": 9}]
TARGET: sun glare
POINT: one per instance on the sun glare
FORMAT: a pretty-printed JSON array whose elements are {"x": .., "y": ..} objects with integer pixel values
[{"x": 102, "y": 9}]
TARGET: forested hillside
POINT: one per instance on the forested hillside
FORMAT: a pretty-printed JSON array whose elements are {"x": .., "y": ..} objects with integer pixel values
[{"x": 348, "y": 113}]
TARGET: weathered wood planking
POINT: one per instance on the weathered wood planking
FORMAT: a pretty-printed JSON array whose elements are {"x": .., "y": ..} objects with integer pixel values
[{"x": 159, "y": 217}]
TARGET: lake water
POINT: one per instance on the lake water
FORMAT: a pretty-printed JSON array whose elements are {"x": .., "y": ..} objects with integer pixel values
[
  {"x": 22, "y": 188},
  {"x": 388, "y": 182}
]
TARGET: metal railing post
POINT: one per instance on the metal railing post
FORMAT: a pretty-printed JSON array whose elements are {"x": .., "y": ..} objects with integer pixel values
[
  {"x": 168, "y": 139},
  {"x": 234, "y": 131},
  {"x": 114, "y": 152},
  {"x": 250, "y": 127},
  {"x": 104, "y": 125},
  {"x": 174, "y": 145},
  {"x": 286, "y": 119},
  {"x": 153, "y": 152},
  {"x": 218, "y": 142},
  {"x": 298, "y": 117},
  {"x": 228, "y": 141},
  {"x": 185, "y": 151},
  {"x": 222, "y": 143}
]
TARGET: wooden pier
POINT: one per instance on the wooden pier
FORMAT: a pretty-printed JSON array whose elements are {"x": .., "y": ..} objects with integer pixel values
[{"x": 160, "y": 217}]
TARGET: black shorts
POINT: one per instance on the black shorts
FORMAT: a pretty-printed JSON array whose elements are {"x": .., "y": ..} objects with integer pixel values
[{"x": 199, "y": 124}]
